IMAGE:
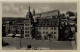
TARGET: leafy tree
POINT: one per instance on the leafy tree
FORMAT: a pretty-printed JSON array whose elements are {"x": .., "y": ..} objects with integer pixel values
[
  {"x": 49, "y": 36},
  {"x": 8, "y": 31},
  {"x": 33, "y": 33},
  {"x": 13, "y": 34},
  {"x": 46, "y": 37},
  {"x": 37, "y": 34},
  {"x": 70, "y": 13},
  {"x": 16, "y": 31}
]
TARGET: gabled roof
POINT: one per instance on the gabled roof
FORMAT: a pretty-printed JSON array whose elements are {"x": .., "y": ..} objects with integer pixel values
[
  {"x": 47, "y": 22},
  {"x": 47, "y": 12}
]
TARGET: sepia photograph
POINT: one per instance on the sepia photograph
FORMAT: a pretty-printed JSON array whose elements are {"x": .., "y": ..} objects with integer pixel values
[{"x": 39, "y": 26}]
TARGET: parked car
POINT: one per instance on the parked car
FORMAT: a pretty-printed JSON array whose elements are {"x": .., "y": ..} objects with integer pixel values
[
  {"x": 17, "y": 35},
  {"x": 9, "y": 35}
]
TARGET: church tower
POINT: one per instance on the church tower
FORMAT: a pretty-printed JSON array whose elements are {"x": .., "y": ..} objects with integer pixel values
[
  {"x": 28, "y": 24},
  {"x": 29, "y": 15}
]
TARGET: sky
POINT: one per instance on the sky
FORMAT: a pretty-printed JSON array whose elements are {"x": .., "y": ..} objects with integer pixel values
[{"x": 21, "y": 9}]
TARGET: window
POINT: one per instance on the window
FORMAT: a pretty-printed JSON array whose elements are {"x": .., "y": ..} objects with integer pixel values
[
  {"x": 47, "y": 24},
  {"x": 55, "y": 24},
  {"x": 27, "y": 28},
  {"x": 39, "y": 31},
  {"x": 54, "y": 32},
  {"x": 51, "y": 28},
  {"x": 40, "y": 24},
  {"x": 22, "y": 27},
  {"x": 26, "y": 31},
  {"x": 7, "y": 27},
  {"x": 39, "y": 28},
  {"x": 43, "y": 28},
  {"x": 43, "y": 24},
  {"x": 43, "y": 32},
  {"x": 46, "y": 28},
  {"x": 54, "y": 28},
  {"x": 28, "y": 21},
  {"x": 28, "y": 24},
  {"x": 51, "y": 32},
  {"x": 26, "y": 35},
  {"x": 46, "y": 32},
  {"x": 25, "y": 24}
]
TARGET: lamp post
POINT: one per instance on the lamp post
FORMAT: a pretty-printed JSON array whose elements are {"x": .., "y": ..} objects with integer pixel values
[{"x": 20, "y": 38}]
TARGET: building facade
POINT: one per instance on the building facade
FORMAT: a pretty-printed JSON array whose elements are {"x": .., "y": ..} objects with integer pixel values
[
  {"x": 47, "y": 23},
  {"x": 27, "y": 28},
  {"x": 48, "y": 26},
  {"x": 28, "y": 24}
]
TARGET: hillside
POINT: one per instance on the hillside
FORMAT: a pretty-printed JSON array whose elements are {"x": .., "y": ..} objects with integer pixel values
[{"x": 5, "y": 19}]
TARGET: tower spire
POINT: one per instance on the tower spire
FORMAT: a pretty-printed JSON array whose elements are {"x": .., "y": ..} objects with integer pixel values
[
  {"x": 29, "y": 8},
  {"x": 33, "y": 12}
]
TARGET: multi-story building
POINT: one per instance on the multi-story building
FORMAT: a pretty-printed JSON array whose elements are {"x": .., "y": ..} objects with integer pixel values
[
  {"x": 20, "y": 26},
  {"x": 15, "y": 27},
  {"x": 47, "y": 23},
  {"x": 28, "y": 24},
  {"x": 48, "y": 26},
  {"x": 27, "y": 28}
]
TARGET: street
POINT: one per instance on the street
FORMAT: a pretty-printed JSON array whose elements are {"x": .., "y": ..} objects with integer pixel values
[{"x": 14, "y": 43}]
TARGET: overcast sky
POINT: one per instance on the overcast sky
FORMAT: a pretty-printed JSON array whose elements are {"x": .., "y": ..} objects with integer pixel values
[{"x": 21, "y": 9}]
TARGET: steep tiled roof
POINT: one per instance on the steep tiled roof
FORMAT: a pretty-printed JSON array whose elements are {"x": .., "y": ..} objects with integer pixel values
[
  {"x": 47, "y": 12},
  {"x": 50, "y": 22}
]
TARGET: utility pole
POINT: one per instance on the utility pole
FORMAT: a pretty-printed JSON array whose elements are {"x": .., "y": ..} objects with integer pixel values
[{"x": 20, "y": 38}]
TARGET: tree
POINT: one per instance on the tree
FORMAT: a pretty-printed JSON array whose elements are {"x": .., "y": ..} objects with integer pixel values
[
  {"x": 33, "y": 33},
  {"x": 46, "y": 37},
  {"x": 8, "y": 31},
  {"x": 70, "y": 13},
  {"x": 16, "y": 31},
  {"x": 37, "y": 34},
  {"x": 49, "y": 36},
  {"x": 3, "y": 31},
  {"x": 13, "y": 34}
]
